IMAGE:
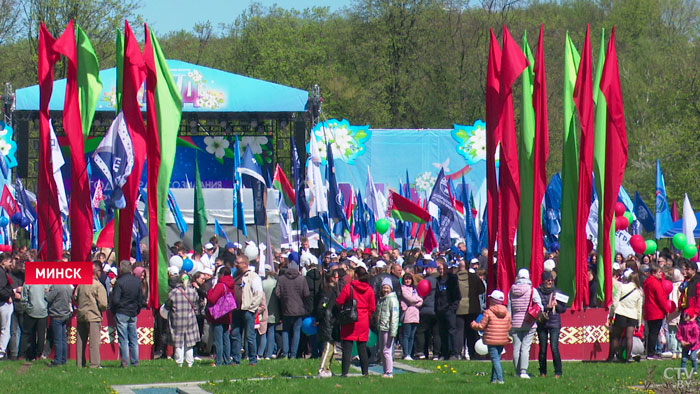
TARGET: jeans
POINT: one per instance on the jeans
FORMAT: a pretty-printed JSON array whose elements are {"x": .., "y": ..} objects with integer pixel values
[
  {"x": 6, "y": 310},
  {"x": 291, "y": 324},
  {"x": 347, "y": 356},
  {"x": 222, "y": 343},
  {"x": 522, "y": 340},
  {"x": 693, "y": 354},
  {"x": 553, "y": 334},
  {"x": 60, "y": 341},
  {"x": 266, "y": 346},
  {"x": 496, "y": 369},
  {"x": 654, "y": 327},
  {"x": 408, "y": 336},
  {"x": 447, "y": 324},
  {"x": 244, "y": 320},
  {"x": 15, "y": 334},
  {"x": 128, "y": 340}
]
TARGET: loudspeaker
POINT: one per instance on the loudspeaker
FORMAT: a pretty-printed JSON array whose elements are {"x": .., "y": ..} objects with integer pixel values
[{"x": 22, "y": 154}]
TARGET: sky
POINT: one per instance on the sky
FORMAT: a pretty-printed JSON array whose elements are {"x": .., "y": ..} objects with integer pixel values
[{"x": 165, "y": 16}]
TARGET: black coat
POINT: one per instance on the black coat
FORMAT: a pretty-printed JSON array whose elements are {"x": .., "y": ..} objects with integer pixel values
[
  {"x": 314, "y": 280},
  {"x": 554, "y": 320},
  {"x": 447, "y": 296},
  {"x": 328, "y": 330},
  {"x": 127, "y": 298},
  {"x": 6, "y": 292}
]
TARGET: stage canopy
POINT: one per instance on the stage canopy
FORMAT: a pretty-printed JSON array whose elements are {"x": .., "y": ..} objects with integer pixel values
[
  {"x": 677, "y": 227},
  {"x": 203, "y": 89}
]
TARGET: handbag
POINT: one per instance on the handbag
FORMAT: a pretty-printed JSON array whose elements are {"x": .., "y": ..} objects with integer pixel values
[
  {"x": 223, "y": 305},
  {"x": 348, "y": 311},
  {"x": 533, "y": 310},
  {"x": 544, "y": 315}
]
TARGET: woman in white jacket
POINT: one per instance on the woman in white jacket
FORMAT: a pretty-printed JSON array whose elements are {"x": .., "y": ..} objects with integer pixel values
[{"x": 625, "y": 313}]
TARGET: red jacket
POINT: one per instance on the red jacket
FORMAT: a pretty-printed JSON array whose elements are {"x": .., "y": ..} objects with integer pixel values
[
  {"x": 366, "y": 304},
  {"x": 689, "y": 301},
  {"x": 655, "y": 299},
  {"x": 223, "y": 286}
]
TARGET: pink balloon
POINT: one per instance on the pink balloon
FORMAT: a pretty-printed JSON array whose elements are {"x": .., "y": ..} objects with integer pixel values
[
  {"x": 620, "y": 209},
  {"x": 638, "y": 244},
  {"x": 423, "y": 288},
  {"x": 667, "y": 285}
]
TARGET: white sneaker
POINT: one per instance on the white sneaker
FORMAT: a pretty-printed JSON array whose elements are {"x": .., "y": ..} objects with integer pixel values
[
  {"x": 324, "y": 374},
  {"x": 666, "y": 354},
  {"x": 408, "y": 358},
  {"x": 524, "y": 376}
]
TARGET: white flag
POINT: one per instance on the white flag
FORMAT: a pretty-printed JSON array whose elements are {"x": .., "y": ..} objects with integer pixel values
[
  {"x": 319, "y": 200},
  {"x": 58, "y": 162},
  {"x": 689, "y": 221}
]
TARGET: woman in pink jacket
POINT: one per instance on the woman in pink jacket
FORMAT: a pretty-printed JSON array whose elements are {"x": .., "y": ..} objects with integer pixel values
[
  {"x": 410, "y": 302},
  {"x": 688, "y": 335}
]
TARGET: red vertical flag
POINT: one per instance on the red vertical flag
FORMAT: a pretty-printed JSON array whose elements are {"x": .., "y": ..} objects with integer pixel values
[
  {"x": 48, "y": 211},
  {"x": 540, "y": 152},
  {"x": 615, "y": 151},
  {"x": 80, "y": 204},
  {"x": 134, "y": 75},
  {"x": 493, "y": 137},
  {"x": 153, "y": 152},
  {"x": 583, "y": 98},
  {"x": 513, "y": 63}
]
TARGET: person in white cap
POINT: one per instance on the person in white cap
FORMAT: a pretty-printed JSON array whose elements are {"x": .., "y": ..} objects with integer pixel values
[
  {"x": 495, "y": 323},
  {"x": 520, "y": 297},
  {"x": 208, "y": 259}
]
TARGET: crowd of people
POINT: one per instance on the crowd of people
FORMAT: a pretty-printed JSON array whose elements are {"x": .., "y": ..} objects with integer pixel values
[{"x": 230, "y": 303}]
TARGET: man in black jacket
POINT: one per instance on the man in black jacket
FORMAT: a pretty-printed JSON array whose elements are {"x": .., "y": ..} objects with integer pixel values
[
  {"x": 127, "y": 300},
  {"x": 7, "y": 296},
  {"x": 447, "y": 299}
]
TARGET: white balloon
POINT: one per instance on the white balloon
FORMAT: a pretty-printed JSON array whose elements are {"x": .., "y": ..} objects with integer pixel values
[
  {"x": 251, "y": 251},
  {"x": 481, "y": 347},
  {"x": 175, "y": 261}
]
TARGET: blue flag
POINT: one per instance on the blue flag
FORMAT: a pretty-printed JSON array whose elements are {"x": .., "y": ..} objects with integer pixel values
[
  {"x": 360, "y": 218},
  {"x": 220, "y": 230},
  {"x": 238, "y": 215},
  {"x": 175, "y": 210},
  {"x": 249, "y": 166},
  {"x": 138, "y": 231},
  {"x": 24, "y": 202},
  {"x": 440, "y": 196},
  {"x": 643, "y": 213},
  {"x": 114, "y": 161},
  {"x": 301, "y": 206},
  {"x": 625, "y": 198},
  {"x": 336, "y": 208},
  {"x": 663, "y": 214},
  {"x": 552, "y": 210},
  {"x": 484, "y": 231}
]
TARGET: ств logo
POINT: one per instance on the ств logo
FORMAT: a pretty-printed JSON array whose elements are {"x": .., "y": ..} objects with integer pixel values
[{"x": 58, "y": 273}]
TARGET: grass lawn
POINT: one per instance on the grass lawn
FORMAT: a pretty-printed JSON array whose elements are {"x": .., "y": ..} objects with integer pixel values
[{"x": 457, "y": 376}]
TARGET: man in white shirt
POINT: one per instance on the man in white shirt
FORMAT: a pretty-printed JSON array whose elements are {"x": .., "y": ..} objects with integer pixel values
[{"x": 208, "y": 259}]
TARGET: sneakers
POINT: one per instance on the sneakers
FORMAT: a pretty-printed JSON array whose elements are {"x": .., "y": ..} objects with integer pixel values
[
  {"x": 421, "y": 356},
  {"x": 436, "y": 358},
  {"x": 408, "y": 358},
  {"x": 666, "y": 354},
  {"x": 388, "y": 375},
  {"x": 653, "y": 357},
  {"x": 324, "y": 374},
  {"x": 496, "y": 382},
  {"x": 524, "y": 376}
]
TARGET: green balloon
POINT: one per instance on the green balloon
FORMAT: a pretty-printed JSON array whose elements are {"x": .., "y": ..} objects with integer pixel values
[
  {"x": 651, "y": 246},
  {"x": 382, "y": 226},
  {"x": 689, "y": 251},
  {"x": 629, "y": 216},
  {"x": 372, "y": 339},
  {"x": 679, "y": 241}
]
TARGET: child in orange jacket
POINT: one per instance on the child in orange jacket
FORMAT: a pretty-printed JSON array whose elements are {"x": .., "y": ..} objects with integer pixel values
[{"x": 496, "y": 324}]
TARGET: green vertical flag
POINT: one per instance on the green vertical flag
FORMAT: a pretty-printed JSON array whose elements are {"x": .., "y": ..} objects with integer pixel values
[
  {"x": 569, "y": 178},
  {"x": 120, "y": 72},
  {"x": 601, "y": 113},
  {"x": 526, "y": 141},
  {"x": 200, "y": 213},
  {"x": 169, "y": 113},
  {"x": 89, "y": 84}
]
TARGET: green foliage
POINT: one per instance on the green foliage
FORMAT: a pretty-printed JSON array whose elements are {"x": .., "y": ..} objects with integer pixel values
[{"x": 421, "y": 63}]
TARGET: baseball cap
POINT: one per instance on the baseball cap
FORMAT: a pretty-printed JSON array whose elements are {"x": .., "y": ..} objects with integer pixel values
[
  {"x": 230, "y": 245},
  {"x": 498, "y": 295},
  {"x": 431, "y": 264},
  {"x": 474, "y": 261},
  {"x": 173, "y": 270},
  {"x": 209, "y": 246},
  {"x": 207, "y": 271},
  {"x": 523, "y": 274},
  {"x": 380, "y": 264},
  {"x": 549, "y": 265}
]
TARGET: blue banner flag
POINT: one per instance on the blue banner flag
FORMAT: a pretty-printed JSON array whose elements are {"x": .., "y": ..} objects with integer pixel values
[
  {"x": 301, "y": 206},
  {"x": 175, "y": 210},
  {"x": 440, "y": 196},
  {"x": 336, "y": 208},
  {"x": 663, "y": 214},
  {"x": 643, "y": 213},
  {"x": 484, "y": 231}
]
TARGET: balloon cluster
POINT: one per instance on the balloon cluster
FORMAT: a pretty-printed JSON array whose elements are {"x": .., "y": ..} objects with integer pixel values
[
  {"x": 5, "y": 248},
  {"x": 680, "y": 241},
  {"x": 622, "y": 217}
]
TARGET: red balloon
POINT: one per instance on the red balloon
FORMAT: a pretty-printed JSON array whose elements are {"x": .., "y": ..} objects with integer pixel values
[
  {"x": 423, "y": 288},
  {"x": 671, "y": 306},
  {"x": 638, "y": 244},
  {"x": 667, "y": 285},
  {"x": 621, "y": 223},
  {"x": 620, "y": 209}
]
